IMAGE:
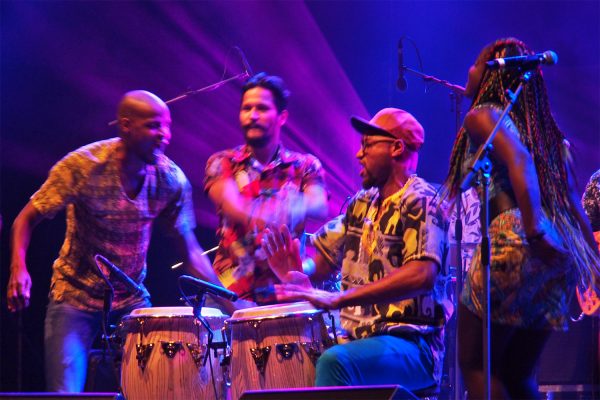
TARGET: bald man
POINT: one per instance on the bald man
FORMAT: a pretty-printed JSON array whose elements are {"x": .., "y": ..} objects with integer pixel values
[{"x": 113, "y": 191}]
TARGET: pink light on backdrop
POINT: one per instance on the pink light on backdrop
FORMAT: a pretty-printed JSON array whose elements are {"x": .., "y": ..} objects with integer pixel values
[{"x": 85, "y": 57}]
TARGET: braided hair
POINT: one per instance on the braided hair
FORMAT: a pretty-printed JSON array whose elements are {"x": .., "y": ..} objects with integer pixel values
[{"x": 541, "y": 136}]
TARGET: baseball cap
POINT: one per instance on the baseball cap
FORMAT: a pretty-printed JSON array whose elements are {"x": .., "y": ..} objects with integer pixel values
[{"x": 394, "y": 123}]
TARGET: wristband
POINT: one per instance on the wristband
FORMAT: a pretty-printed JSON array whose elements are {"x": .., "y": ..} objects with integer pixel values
[{"x": 308, "y": 266}]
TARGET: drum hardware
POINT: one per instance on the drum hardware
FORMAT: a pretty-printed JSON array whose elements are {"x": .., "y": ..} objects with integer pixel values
[
  {"x": 197, "y": 352},
  {"x": 143, "y": 352},
  {"x": 260, "y": 356},
  {"x": 330, "y": 342},
  {"x": 179, "y": 372},
  {"x": 171, "y": 348},
  {"x": 113, "y": 339},
  {"x": 225, "y": 364},
  {"x": 254, "y": 324},
  {"x": 284, "y": 328},
  {"x": 225, "y": 360},
  {"x": 312, "y": 349},
  {"x": 286, "y": 350}
]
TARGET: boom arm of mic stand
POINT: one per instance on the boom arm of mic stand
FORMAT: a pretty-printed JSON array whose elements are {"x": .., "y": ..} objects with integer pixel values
[
  {"x": 455, "y": 89},
  {"x": 208, "y": 88}
]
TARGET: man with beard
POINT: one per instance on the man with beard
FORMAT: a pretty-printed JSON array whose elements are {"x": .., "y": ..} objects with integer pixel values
[
  {"x": 113, "y": 191},
  {"x": 391, "y": 244},
  {"x": 258, "y": 184}
]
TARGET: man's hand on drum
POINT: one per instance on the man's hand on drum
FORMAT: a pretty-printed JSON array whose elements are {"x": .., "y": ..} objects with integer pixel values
[
  {"x": 283, "y": 254},
  {"x": 297, "y": 292}
]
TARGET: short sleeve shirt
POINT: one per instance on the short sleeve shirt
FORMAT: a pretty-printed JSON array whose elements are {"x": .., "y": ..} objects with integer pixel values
[
  {"x": 376, "y": 237},
  {"x": 102, "y": 219},
  {"x": 591, "y": 201},
  {"x": 240, "y": 263}
]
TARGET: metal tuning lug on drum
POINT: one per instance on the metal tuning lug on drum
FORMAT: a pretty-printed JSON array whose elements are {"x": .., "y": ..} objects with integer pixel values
[
  {"x": 313, "y": 349},
  {"x": 143, "y": 352},
  {"x": 197, "y": 351},
  {"x": 260, "y": 356},
  {"x": 286, "y": 350},
  {"x": 171, "y": 348}
]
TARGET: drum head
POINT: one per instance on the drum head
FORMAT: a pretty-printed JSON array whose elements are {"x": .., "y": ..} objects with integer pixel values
[
  {"x": 174, "y": 312},
  {"x": 274, "y": 311}
]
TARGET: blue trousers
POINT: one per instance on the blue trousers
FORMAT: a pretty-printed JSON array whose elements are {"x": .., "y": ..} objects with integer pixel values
[
  {"x": 378, "y": 360},
  {"x": 68, "y": 336}
]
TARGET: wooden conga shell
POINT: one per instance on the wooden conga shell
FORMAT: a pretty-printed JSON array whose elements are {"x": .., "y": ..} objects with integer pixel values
[
  {"x": 293, "y": 335},
  {"x": 162, "y": 354}
]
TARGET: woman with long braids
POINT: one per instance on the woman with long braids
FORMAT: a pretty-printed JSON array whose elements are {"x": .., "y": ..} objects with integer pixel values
[{"x": 541, "y": 242}]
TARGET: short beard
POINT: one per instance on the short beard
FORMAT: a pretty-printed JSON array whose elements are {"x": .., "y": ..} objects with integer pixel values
[
  {"x": 259, "y": 142},
  {"x": 369, "y": 181}
]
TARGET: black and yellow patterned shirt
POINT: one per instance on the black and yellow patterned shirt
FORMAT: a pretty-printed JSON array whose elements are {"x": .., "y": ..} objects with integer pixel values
[{"x": 369, "y": 247}]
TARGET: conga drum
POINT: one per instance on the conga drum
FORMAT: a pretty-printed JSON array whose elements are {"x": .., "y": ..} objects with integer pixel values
[
  {"x": 274, "y": 347},
  {"x": 164, "y": 354}
]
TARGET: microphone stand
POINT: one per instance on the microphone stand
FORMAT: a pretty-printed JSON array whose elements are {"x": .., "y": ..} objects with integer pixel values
[
  {"x": 109, "y": 294},
  {"x": 480, "y": 175},
  {"x": 209, "y": 88},
  {"x": 197, "y": 302},
  {"x": 456, "y": 92},
  {"x": 456, "y": 95}
]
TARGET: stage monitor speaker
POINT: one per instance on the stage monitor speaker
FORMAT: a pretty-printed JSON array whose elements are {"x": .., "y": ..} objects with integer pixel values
[
  {"x": 571, "y": 357},
  {"x": 103, "y": 372},
  {"x": 378, "y": 392},
  {"x": 570, "y": 361},
  {"x": 61, "y": 396}
]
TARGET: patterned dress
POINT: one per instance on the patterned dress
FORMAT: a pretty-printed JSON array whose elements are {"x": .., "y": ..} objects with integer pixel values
[
  {"x": 102, "y": 219},
  {"x": 240, "y": 263},
  {"x": 371, "y": 245}
]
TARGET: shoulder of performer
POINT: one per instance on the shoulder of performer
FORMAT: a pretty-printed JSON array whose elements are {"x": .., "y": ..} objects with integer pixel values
[
  {"x": 170, "y": 172},
  {"x": 363, "y": 196},
  {"x": 92, "y": 155}
]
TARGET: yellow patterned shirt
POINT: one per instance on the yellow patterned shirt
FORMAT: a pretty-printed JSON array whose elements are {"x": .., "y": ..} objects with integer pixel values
[
  {"x": 370, "y": 245},
  {"x": 102, "y": 219}
]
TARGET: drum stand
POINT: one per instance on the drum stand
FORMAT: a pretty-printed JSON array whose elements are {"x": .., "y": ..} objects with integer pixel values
[{"x": 108, "y": 350}]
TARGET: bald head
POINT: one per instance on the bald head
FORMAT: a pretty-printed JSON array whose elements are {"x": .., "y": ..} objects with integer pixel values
[
  {"x": 144, "y": 124},
  {"x": 140, "y": 104}
]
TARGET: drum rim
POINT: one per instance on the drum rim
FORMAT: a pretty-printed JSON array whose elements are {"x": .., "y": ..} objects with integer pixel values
[
  {"x": 140, "y": 317},
  {"x": 273, "y": 317}
]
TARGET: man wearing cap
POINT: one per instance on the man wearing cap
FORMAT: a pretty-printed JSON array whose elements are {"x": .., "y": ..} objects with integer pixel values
[{"x": 391, "y": 244}]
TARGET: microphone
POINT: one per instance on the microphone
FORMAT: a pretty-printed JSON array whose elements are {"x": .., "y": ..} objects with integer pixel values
[
  {"x": 247, "y": 68},
  {"x": 210, "y": 288},
  {"x": 524, "y": 63},
  {"x": 401, "y": 82},
  {"x": 129, "y": 283}
]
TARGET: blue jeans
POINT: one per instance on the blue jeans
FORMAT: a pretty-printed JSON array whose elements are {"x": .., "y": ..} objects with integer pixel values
[
  {"x": 378, "y": 360},
  {"x": 68, "y": 336}
]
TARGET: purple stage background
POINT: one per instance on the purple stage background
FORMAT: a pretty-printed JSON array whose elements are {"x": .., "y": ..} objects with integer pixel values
[{"x": 65, "y": 65}]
